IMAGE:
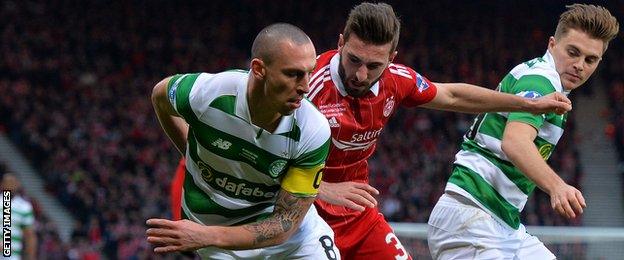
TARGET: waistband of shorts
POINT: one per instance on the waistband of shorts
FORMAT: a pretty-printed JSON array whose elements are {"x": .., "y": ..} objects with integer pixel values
[{"x": 450, "y": 197}]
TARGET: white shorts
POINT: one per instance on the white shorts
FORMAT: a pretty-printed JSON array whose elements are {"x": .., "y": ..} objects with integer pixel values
[
  {"x": 313, "y": 240},
  {"x": 462, "y": 230}
]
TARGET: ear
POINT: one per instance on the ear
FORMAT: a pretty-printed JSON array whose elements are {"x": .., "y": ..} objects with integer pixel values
[
  {"x": 551, "y": 42},
  {"x": 392, "y": 56},
  {"x": 257, "y": 68},
  {"x": 340, "y": 42}
]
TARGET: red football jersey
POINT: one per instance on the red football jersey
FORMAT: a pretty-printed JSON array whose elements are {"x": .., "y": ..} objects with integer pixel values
[{"x": 356, "y": 123}]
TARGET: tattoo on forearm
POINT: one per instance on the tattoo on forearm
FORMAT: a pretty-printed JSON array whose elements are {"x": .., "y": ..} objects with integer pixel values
[{"x": 288, "y": 212}]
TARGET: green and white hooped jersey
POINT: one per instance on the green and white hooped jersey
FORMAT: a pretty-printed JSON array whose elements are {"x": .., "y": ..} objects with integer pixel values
[
  {"x": 234, "y": 168},
  {"x": 21, "y": 217},
  {"x": 482, "y": 172}
]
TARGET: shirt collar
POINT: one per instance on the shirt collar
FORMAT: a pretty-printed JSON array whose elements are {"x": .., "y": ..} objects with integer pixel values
[
  {"x": 242, "y": 107},
  {"x": 551, "y": 62}
]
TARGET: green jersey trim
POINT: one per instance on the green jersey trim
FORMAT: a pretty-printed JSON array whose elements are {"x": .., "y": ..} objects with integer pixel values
[{"x": 485, "y": 194}]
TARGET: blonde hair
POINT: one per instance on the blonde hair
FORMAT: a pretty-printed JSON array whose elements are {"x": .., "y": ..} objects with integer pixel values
[{"x": 594, "y": 20}]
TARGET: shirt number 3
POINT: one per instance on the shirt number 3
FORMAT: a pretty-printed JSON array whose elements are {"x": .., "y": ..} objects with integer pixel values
[{"x": 392, "y": 240}]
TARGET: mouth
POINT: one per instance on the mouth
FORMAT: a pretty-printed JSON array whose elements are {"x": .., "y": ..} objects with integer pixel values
[
  {"x": 358, "y": 85},
  {"x": 356, "y": 88},
  {"x": 574, "y": 76},
  {"x": 295, "y": 103}
]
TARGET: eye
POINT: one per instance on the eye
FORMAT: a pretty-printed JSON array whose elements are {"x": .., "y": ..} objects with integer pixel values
[
  {"x": 572, "y": 53},
  {"x": 295, "y": 74},
  {"x": 373, "y": 66},
  {"x": 591, "y": 60},
  {"x": 354, "y": 60}
]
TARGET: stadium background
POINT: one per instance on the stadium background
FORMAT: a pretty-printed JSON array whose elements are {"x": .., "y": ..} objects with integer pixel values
[{"x": 75, "y": 80}]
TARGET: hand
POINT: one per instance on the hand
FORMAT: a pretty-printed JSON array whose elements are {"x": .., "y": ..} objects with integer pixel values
[
  {"x": 554, "y": 102},
  {"x": 567, "y": 201},
  {"x": 169, "y": 236},
  {"x": 354, "y": 195}
]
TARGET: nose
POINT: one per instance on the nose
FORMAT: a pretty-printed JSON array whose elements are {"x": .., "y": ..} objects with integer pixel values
[
  {"x": 304, "y": 84},
  {"x": 362, "y": 73},
  {"x": 579, "y": 64}
]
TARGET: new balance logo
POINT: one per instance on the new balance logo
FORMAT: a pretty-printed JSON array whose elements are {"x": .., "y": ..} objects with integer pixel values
[
  {"x": 222, "y": 144},
  {"x": 333, "y": 122}
]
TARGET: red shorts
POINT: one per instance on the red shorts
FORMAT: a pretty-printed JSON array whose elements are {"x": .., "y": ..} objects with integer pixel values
[
  {"x": 362, "y": 235},
  {"x": 175, "y": 198}
]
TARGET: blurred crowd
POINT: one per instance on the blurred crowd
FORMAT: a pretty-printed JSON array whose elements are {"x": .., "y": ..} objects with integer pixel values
[
  {"x": 614, "y": 78},
  {"x": 75, "y": 79}
]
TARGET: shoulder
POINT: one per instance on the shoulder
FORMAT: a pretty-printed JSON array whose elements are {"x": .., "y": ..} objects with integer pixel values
[
  {"x": 324, "y": 59},
  {"x": 209, "y": 86},
  {"x": 539, "y": 73},
  {"x": 321, "y": 75},
  {"x": 400, "y": 74},
  {"x": 407, "y": 81},
  {"x": 223, "y": 82},
  {"x": 311, "y": 121}
]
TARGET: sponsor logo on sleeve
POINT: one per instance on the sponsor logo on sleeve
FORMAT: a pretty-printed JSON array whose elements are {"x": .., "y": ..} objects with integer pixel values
[
  {"x": 545, "y": 150},
  {"x": 421, "y": 83},
  {"x": 529, "y": 94}
]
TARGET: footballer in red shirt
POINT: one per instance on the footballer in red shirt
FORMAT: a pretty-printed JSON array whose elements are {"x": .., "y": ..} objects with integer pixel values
[
  {"x": 356, "y": 122},
  {"x": 358, "y": 88}
]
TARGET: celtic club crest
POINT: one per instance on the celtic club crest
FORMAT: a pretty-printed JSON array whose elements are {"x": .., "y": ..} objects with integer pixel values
[{"x": 276, "y": 167}]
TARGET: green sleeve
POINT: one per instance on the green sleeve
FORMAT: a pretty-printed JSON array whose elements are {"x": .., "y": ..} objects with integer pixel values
[
  {"x": 313, "y": 158},
  {"x": 178, "y": 90},
  {"x": 531, "y": 86}
]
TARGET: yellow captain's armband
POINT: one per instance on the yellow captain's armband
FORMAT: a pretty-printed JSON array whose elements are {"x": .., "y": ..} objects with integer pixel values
[{"x": 303, "y": 182}]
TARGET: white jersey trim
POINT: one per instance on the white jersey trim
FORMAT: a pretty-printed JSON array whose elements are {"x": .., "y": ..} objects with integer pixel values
[
  {"x": 493, "y": 176},
  {"x": 452, "y": 187},
  {"x": 214, "y": 219},
  {"x": 548, "y": 131}
]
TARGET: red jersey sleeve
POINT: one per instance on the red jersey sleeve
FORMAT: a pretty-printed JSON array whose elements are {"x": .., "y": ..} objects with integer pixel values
[{"x": 421, "y": 90}]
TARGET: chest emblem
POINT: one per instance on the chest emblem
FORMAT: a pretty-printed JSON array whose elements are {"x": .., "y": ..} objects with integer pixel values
[
  {"x": 276, "y": 167},
  {"x": 388, "y": 106}
]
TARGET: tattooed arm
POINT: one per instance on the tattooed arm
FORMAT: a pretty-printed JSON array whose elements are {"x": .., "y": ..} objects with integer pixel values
[
  {"x": 287, "y": 216},
  {"x": 184, "y": 235}
]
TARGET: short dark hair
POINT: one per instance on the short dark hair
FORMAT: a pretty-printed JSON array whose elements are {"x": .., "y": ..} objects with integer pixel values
[
  {"x": 374, "y": 23},
  {"x": 264, "y": 45},
  {"x": 596, "y": 21}
]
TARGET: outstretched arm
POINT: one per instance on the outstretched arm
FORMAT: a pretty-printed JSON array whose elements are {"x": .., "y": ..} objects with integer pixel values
[
  {"x": 175, "y": 127},
  {"x": 461, "y": 97},
  {"x": 185, "y": 235},
  {"x": 518, "y": 145}
]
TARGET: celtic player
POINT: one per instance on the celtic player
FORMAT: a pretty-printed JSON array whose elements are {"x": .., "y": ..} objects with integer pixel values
[
  {"x": 254, "y": 153},
  {"x": 23, "y": 235},
  {"x": 503, "y": 155}
]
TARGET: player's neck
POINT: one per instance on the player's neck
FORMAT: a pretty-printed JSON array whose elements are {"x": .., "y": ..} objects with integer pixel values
[{"x": 261, "y": 112}]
